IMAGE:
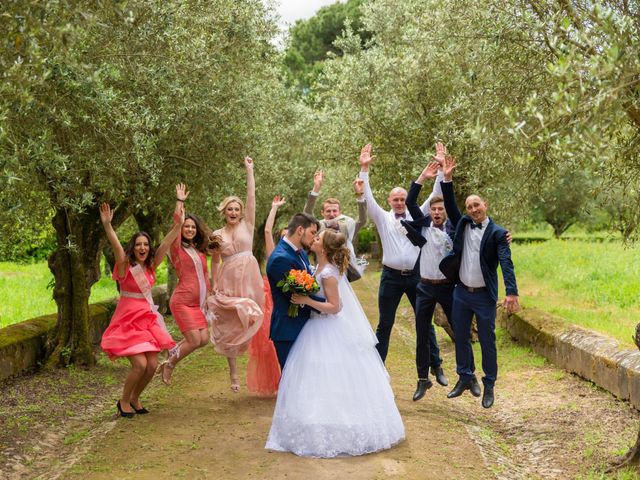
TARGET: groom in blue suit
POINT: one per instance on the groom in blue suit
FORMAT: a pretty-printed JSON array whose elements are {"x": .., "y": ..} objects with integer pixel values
[
  {"x": 479, "y": 246},
  {"x": 289, "y": 254}
]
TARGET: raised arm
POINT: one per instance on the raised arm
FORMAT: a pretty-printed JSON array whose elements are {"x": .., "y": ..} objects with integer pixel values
[
  {"x": 181, "y": 197},
  {"x": 106, "y": 215},
  {"x": 441, "y": 152},
  {"x": 429, "y": 172},
  {"x": 358, "y": 188},
  {"x": 250, "y": 204},
  {"x": 163, "y": 249},
  {"x": 375, "y": 211},
  {"x": 269, "y": 244},
  {"x": 318, "y": 179},
  {"x": 450, "y": 205}
]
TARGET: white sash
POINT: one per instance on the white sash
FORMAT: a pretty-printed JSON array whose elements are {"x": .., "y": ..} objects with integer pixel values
[
  {"x": 197, "y": 263},
  {"x": 145, "y": 287}
]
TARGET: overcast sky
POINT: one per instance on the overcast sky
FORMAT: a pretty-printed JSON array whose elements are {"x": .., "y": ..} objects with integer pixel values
[{"x": 292, "y": 10}]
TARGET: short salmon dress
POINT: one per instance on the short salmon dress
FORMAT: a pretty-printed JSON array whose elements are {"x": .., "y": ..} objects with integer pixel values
[{"x": 134, "y": 327}]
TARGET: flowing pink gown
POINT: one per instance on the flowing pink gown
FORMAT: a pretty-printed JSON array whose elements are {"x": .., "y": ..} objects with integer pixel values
[
  {"x": 185, "y": 300},
  {"x": 238, "y": 302},
  {"x": 134, "y": 328},
  {"x": 263, "y": 369}
]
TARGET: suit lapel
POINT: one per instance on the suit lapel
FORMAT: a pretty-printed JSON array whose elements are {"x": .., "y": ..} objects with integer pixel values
[
  {"x": 486, "y": 235},
  {"x": 298, "y": 259}
]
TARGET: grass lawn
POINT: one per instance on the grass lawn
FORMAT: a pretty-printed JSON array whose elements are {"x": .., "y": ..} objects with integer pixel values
[
  {"x": 592, "y": 284},
  {"x": 25, "y": 290}
]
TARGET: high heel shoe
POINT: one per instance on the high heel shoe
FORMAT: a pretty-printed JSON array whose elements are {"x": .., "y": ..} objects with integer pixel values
[
  {"x": 123, "y": 413},
  {"x": 161, "y": 369},
  {"x": 139, "y": 411}
]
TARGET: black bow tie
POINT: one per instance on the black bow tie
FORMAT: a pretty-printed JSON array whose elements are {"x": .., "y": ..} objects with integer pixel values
[
  {"x": 401, "y": 215},
  {"x": 476, "y": 225}
]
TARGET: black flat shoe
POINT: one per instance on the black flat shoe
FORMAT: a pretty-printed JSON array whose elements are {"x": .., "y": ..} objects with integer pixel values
[
  {"x": 439, "y": 374},
  {"x": 139, "y": 411},
  {"x": 122, "y": 413},
  {"x": 424, "y": 384},
  {"x": 460, "y": 387},
  {"x": 487, "y": 397},
  {"x": 475, "y": 387}
]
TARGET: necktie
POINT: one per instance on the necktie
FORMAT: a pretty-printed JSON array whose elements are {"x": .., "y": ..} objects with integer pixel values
[
  {"x": 401, "y": 215},
  {"x": 476, "y": 225}
]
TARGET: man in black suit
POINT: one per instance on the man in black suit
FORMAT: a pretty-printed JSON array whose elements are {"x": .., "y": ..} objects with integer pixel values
[{"x": 479, "y": 246}]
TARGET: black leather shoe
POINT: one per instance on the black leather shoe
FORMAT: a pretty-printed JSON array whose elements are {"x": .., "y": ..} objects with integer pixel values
[
  {"x": 487, "y": 397},
  {"x": 439, "y": 374},
  {"x": 424, "y": 384},
  {"x": 461, "y": 386},
  {"x": 123, "y": 413},
  {"x": 139, "y": 411},
  {"x": 475, "y": 387}
]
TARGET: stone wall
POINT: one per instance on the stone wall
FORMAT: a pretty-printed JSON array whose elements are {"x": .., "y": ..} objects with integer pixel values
[
  {"x": 22, "y": 344},
  {"x": 591, "y": 355}
]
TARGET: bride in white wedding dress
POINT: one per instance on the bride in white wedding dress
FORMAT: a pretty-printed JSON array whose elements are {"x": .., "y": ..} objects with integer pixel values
[{"x": 334, "y": 397}]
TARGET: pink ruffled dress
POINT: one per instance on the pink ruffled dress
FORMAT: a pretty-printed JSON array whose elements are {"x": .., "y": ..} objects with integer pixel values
[{"x": 238, "y": 302}]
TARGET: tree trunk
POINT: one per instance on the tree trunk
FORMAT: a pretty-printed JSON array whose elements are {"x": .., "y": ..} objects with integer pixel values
[{"x": 75, "y": 265}]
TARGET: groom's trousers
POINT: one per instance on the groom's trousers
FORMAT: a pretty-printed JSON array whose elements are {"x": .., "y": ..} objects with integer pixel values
[
  {"x": 282, "y": 351},
  {"x": 394, "y": 284}
]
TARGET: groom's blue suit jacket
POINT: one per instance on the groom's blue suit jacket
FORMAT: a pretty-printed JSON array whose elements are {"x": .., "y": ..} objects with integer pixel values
[
  {"x": 494, "y": 249},
  {"x": 282, "y": 259}
]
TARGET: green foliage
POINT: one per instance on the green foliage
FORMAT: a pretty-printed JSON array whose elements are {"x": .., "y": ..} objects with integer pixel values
[{"x": 312, "y": 41}]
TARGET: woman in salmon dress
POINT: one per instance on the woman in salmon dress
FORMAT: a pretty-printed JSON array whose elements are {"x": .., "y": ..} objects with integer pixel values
[
  {"x": 238, "y": 299},
  {"x": 188, "y": 256},
  {"x": 136, "y": 331},
  {"x": 263, "y": 369}
]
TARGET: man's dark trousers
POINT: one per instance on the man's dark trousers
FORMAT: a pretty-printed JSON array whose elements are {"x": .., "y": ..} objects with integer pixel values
[
  {"x": 392, "y": 286},
  {"x": 465, "y": 305}
]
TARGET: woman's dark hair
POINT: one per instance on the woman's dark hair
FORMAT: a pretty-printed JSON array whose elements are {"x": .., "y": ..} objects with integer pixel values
[
  {"x": 201, "y": 240},
  {"x": 131, "y": 255}
]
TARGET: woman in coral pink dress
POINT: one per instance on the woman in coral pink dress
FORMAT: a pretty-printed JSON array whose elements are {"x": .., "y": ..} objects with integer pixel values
[
  {"x": 188, "y": 256},
  {"x": 238, "y": 297},
  {"x": 136, "y": 331},
  {"x": 263, "y": 369}
]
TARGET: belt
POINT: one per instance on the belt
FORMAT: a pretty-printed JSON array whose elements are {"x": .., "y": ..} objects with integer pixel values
[
  {"x": 472, "y": 289},
  {"x": 404, "y": 273},
  {"x": 441, "y": 281}
]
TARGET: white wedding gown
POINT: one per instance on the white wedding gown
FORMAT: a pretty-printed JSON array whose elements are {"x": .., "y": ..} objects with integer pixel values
[{"x": 334, "y": 397}]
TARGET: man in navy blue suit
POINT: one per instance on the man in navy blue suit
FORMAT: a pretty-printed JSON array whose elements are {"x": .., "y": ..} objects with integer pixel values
[
  {"x": 479, "y": 246},
  {"x": 289, "y": 254}
]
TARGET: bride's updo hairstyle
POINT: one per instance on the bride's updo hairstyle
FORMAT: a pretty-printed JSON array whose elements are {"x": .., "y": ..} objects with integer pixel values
[{"x": 334, "y": 245}]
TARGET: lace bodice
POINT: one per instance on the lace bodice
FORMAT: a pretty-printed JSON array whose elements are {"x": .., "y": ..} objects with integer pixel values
[{"x": 327, "y": 271}]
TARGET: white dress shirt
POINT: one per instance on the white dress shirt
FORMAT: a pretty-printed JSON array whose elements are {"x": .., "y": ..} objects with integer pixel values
[
  {"x": 470, "y": 271},
  {"x": 397, "y": 251},
  {"x": 438, "y": 246}
]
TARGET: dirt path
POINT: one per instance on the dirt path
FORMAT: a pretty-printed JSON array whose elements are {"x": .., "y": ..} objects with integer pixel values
[{"x": 545, "y": 424}]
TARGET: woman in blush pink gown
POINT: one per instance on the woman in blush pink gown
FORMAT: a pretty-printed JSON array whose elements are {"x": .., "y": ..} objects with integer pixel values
[
  {"x": 188, "y": 256},
  {"x": 136, "y": 331},
  {"x": 238, "y": 297},
  {"x": 263, "y": 369}
]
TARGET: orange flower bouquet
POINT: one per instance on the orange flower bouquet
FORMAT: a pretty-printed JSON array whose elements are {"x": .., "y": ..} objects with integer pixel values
[{"x": 300, "y": 282}]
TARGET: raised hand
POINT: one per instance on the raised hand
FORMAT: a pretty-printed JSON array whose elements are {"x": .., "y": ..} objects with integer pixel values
[
  {"x": 318, "y": 180},
  {"x": 430, "y": 172},
  {"x": 365, "y": 156},
  {"x": 448, "y": 167},
  {"x": 358, "y": 186},
  {"x": 441, "y": 152},
  {"x": 181, "y": 192},
  {"x": 106, "y": 214},
  {"x": 248, "y": 163},
  {"x": 277, "y": 201}
]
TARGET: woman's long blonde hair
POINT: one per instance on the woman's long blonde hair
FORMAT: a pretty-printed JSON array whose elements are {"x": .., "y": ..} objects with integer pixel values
[{"x": 335, "y": 248}]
